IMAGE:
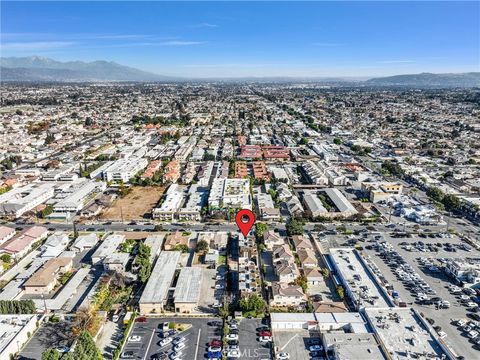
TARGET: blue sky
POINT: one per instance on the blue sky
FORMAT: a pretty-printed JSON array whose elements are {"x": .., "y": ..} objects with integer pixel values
[{"x": 204, "y": 39}]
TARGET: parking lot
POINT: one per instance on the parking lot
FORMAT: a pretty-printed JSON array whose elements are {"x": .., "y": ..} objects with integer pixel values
[
  {"x": 250, "y": 346},
  {"x": 295, "y": 342},
  {"x": 49, "y": 335},
  {"x": 196, "y": 337},
  {"x": 436, "y": 280}
]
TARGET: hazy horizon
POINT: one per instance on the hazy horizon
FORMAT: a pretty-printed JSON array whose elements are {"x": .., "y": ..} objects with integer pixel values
[{"x": 251, "y": 39}]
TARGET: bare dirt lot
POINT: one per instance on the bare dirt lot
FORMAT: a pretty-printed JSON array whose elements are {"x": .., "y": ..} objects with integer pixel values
[{"x": 139, "y": 202}]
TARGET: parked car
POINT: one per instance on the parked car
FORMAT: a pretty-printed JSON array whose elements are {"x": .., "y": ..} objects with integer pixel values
[
  {"x": 128, "y": 354},
  {"x": 135, "y": 338}
]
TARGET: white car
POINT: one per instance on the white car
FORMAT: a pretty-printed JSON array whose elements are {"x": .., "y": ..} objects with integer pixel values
[
  {"x": 216, "y": 305},
  {"x": 165, "y": 341},
  {"x": 176, "y": 355},
  {"x": 178, "y": 340},
  {"x": 442, "y": 334},
  {"x": 315, "y": 348},
  {"x": 179, "y": 347},
  {"x": 233, "y": 354},
  {"x": 265, "y": 338},
  {"x": 232, "y": 337},
  {"x": 214, "y": 348},
  {"x": 135, "y": 338},
  {"x": 473, "y": 334},
  {"x": 219, "y": 287},
  {"x": 471, "y": 304},
  {"x": 283, "y": 356}
]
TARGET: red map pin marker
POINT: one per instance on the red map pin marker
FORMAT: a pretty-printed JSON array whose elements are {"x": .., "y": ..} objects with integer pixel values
[{"x": 245, "y": 220}]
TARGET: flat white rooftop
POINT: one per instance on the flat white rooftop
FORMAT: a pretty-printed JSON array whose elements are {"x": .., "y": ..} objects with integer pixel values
[
  {"x": 403, "y": 333},
  {"x": 357, "y": 278}
]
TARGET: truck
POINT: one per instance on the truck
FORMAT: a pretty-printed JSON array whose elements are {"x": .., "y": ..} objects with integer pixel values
[{"x": 127, "y": 318}]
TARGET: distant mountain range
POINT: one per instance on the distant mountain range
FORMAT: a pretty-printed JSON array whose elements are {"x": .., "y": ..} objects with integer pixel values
[
  {"x": 41, "y": 69},
  {"x": 471, "y": 79},
  {"x": 36, "y": 68}
]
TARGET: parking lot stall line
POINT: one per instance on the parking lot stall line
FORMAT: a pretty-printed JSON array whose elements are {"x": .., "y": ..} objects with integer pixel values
[
  {"x": 149, "y": 344},
  {"x": 198, "y": 343}
]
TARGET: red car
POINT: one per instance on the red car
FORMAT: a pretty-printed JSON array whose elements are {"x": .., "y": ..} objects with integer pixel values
[
  {"x": 141, "y": 319},
  {"x": 215, "y": 342},
  {"x": 265, "y": 333}
]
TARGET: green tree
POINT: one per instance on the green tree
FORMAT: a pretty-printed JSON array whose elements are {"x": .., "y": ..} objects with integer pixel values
[
  {"x": 49, "y": 139},
  {"x": 260, "y": 229},
  {"x": 143, "y": 262},
  {"x": 50, "y": 354},
  {"x": 86, "y": 349},
  {"x": 202, "y": 246},
  {"x": 17, "y": 307},
  {"x": 452, "y": 202},
  {"x": 337, "y": 141},
  {"x": 253, "y": 304},
  {"x": 181, "y": 247},
  {"x": 295, "y": 227},
  {"x": 435, "y": 193},
  {"x": 6, "y": 258}
]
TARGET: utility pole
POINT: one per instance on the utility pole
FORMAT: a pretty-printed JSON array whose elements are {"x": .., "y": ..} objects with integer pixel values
[{"x": 448, "y": 221}]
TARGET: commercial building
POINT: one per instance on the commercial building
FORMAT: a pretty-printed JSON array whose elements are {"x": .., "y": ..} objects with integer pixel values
[
  {"x": 339, "y": 322},
  {"x": 341, "y": 346},
  {"x": 15, "y": 331},
  {"x": 187, "y": 289},
  {"x": 379, "y": 191},
  {"x": 357, "y": 279},
  {"x": 155, "y": 294},
  {"x": 404, "y": 334}
]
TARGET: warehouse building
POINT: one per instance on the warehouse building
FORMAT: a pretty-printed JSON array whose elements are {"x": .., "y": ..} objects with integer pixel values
[
  {"x": 357, "y": 279},
  {"x": 155, "y": 294},
  {"x": 15, "y": 331},
  {"x": 187, "y": 291},
  {"x": 404, "y": 334}
]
